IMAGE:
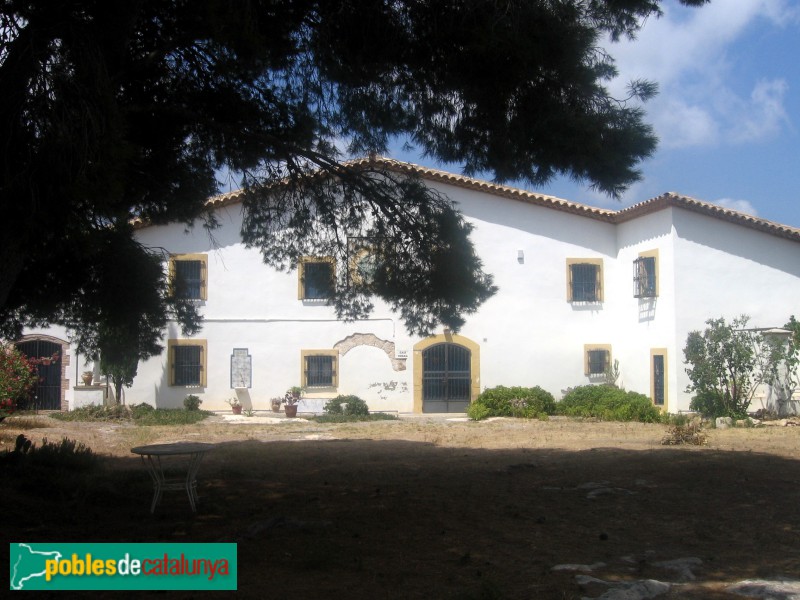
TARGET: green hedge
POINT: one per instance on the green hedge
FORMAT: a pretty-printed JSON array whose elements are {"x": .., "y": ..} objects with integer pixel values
[
  {"x": 608, "y": 403},
  {"x": 501, "y": 401}
]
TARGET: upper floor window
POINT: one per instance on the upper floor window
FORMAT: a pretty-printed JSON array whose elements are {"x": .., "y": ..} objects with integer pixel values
[
  {"x": 585, "y": 280},
  {"x": 317, "y": 276},
  {"x": 645, "y": 275},
  {"x": 363, "y": 264},
  {"x": 188, "y": 276}
]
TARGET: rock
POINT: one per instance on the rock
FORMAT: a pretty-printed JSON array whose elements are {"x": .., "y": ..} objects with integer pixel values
[
  {"x": 784, "y": 589},
  {"x": 682, "y": 566},
  {"x": 579, "y": 568},
  {"x": 636, "y": 590},
  {"x": 723, "y": 422}
]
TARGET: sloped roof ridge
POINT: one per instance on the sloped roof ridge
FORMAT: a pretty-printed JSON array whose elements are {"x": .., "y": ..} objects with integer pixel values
[
  {"x": 668, "y": 199},
  {"x": 498, "y": 189},
  {"x": 707, "y": 208}
]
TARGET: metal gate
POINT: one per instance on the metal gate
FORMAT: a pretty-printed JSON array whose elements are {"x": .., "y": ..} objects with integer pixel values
[
  {"x": 446, "y": 378},
  {"x": 47, "y": 395}
]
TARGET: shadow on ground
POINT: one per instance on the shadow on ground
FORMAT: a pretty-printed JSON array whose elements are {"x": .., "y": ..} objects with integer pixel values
[{"x": 399, "y": 519}]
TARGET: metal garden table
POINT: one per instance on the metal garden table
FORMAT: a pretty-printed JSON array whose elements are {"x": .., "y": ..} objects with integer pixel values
[{"x": 152, "y": 455}]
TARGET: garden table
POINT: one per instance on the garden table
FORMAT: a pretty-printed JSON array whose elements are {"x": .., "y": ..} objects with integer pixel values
[{"x": 152, "y": 455}]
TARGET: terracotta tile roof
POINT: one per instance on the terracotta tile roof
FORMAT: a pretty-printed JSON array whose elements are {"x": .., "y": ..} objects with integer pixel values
[
  {"x": 672, "y": 199},
  {"x": 661, "y": 202}
]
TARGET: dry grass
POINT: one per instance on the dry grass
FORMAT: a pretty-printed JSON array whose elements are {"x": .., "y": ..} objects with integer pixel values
[{"x": 435, "y": 509}]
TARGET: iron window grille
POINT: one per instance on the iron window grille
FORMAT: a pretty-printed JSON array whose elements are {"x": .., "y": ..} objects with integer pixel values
[
  {"x": 189, "y": 279},
  {"x": 585, "y": 282},
  {"x": 598, "y": 362},
  {"x": 644, "y": 277},
  {"x": 658, "y": 379},
  {"x": 317, "y": 280},
  {"x": 320, "y": 371},
  {"x": 188, "y": 365}
]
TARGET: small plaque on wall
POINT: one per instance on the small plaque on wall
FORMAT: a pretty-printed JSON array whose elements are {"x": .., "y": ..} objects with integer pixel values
[{"x": 241, "y": 368}]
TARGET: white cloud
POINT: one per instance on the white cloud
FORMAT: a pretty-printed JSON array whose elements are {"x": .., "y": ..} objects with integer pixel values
[
  {"x": 680, "y": 124},
  {"x": 742, "y": 206},
  {"x": 689, "y": 53},
  {"x": 764, "y": 115}
]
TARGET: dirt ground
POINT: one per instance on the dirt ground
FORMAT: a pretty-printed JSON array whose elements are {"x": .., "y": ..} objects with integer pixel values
[{"x": 435, "y": 508}]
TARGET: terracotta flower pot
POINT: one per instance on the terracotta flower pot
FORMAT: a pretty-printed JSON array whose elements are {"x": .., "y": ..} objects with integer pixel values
[
  {"x": 87, "y": 378},
  {"x": 237, "y": 410},
  {"x": 290, "y": 410}
]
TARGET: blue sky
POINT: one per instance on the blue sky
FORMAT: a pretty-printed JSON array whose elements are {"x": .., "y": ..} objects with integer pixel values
[{"x": 728, "y": 110}]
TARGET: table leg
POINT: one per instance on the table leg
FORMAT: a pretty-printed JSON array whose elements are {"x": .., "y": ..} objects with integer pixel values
[
  {"x": 157, "y": 475},
  {"x": 191, "y": 479}
]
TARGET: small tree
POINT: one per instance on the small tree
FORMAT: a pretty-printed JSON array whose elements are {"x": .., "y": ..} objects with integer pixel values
[
  {"x": 727, "y": 362},
  {"x": 122, "y": 369}
]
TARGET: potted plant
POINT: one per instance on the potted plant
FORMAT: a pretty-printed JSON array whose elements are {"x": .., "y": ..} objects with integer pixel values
[
  {"x": 87, "y": 377},
  {"x": 292, "y": 397},
  {"x": 276, "y": 404},
  {"x": 236, "y": 406}
]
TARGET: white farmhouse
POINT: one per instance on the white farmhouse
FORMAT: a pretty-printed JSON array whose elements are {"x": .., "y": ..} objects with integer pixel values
[{"x": 579, "y": 288}]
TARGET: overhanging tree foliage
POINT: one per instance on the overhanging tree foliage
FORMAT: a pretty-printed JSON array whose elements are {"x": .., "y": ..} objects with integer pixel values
[{"x": 114, "y": 111}]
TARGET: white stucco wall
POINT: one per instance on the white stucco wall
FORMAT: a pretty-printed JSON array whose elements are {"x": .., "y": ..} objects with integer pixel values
[{"x": 528, "y": 333}]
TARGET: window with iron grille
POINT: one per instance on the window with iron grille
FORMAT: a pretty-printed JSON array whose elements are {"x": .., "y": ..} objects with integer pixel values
[
  {"x": 187, "y": 365},
  {"x": 597, "y": 362},
  {"x": 584, "y": 282},
  {"x": 188, "y": 274},
  {"x": 320, "y": 371},
  {"x": 316, "y": 279},
  {"x": 659, "y": 383},
  {"x": 644, "y": 277}
]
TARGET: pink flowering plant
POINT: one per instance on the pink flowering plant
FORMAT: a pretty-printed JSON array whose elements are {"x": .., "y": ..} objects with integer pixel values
[{"x": 18, "y": 377}]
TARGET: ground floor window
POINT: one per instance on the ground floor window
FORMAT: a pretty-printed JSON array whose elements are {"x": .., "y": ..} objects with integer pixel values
[
  {"x": 187, "y": 362},
  {"x": 596, "y": 359},
  {"x": 320, "y": 368},
  {"x": 658, "y": 368}
]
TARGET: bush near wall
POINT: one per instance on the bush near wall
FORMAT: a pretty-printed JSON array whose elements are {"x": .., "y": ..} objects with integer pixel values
[
  {"x": 18, "y": 377},
  {"x": 501, "y": 401},
  {"x": 347, "y": 405},
  {"x": 608, "y": 403},
  {"x": 711, "y": 404}
]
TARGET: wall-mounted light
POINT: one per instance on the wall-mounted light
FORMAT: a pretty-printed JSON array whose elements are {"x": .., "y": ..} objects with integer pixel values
[{"x": 520, "y": 256}]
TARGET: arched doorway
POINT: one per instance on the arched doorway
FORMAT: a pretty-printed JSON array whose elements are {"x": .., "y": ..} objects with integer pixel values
[
  {"x": 49, "y": 393},
  {"x": 446, "y": 374}
]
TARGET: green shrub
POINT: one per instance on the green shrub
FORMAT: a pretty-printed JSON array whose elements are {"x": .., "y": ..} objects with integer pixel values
[
  {"x": 65, "y": 454},
  {"x": 711, "y": 405},
  {"x": 609, "y": 404},
  {"x": 18, "y": 377},
  {"x": 348, "y": 405},
  {"x": 116, "y": 412},
  {"x": 140, "y": 414},
  {"x": 501, "y": 401},
  {"x": 192, "y": 402}
]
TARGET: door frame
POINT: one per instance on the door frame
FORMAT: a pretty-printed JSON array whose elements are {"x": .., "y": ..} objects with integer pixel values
[
  {"x": 663, "y": 353},
  {"x": 449, "y": 338},
  {"x": 65, "y": 360}
]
